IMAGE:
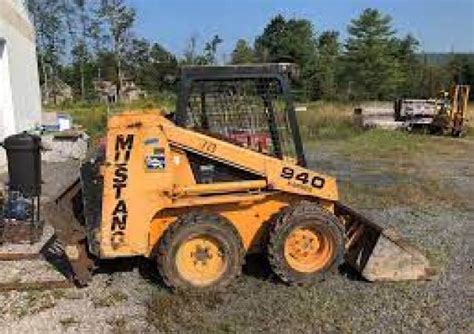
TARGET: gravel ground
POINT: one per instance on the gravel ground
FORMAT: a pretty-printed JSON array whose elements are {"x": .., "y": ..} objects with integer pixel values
[{"x": 127, "y": 297}]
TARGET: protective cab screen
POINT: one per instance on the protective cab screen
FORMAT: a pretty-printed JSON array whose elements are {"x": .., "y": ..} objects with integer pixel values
[{"x": 248, "y": 112}]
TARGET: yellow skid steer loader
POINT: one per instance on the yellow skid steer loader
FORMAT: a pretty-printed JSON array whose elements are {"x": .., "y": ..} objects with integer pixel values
[{"x": 222, "y": 177}]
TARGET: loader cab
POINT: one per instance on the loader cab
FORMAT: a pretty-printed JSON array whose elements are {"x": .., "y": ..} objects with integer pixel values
[{"x": 249, "y": 105}]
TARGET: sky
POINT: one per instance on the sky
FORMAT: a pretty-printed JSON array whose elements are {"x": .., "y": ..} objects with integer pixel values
[{"x": 439, "y": 25}]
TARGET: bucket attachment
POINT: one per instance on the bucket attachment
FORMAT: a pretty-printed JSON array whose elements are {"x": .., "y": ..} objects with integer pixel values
[
  {"x": 71, "y": 238},
  {"x": 380, "y": 254}
]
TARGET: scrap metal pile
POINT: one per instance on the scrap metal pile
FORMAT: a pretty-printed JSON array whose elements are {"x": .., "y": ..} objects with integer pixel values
[{"x": 445, "y": 114}]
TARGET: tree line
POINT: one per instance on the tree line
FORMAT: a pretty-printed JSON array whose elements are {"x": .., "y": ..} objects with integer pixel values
[{"x": 80, "y": 42}]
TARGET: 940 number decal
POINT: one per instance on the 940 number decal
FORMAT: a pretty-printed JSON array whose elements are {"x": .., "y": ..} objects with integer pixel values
[{"x": 304, "y": 178}]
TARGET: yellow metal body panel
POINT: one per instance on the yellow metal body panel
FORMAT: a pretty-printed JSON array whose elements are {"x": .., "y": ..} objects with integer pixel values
[{"x": 148, "y": 183}]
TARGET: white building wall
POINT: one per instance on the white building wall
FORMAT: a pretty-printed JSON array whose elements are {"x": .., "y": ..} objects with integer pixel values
[{"x": 20, "y": 99}]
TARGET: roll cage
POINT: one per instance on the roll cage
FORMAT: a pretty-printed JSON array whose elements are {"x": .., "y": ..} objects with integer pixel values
[{"x": 248, "y": 104}]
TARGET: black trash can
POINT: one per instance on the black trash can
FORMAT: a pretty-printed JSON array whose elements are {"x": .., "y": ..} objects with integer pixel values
[{"x": 24, "y": 163}]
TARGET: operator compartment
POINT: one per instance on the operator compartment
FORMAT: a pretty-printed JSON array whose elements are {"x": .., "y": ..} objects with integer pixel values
[{"x": 249, "y": 106}]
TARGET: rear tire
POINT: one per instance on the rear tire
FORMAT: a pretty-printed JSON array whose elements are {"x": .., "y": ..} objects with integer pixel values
[
  {"x": 306, "y": 242},
  {"x": 200, "y": 251}
]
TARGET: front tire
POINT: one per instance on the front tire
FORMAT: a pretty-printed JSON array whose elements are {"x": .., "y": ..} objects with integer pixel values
[
  {"x": 200, "y": 251},
  {"x": 306, "y": 242}
]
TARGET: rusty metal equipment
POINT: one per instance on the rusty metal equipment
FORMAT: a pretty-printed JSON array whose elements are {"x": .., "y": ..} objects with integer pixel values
[
  {"x": 224, "y": 177},
  {"x": 445, "y": 114},
  {"x": 457, "y": 113}
]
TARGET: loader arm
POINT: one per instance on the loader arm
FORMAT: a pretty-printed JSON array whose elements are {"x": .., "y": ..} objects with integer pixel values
[{"x": 279, "y": 174}]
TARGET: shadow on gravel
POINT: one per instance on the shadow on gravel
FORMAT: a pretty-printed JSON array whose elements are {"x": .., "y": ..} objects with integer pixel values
[
  {"x": 149, "y": 272},
  {"x": 350, "y": 273},
  {"x": 256, "y": 265}
]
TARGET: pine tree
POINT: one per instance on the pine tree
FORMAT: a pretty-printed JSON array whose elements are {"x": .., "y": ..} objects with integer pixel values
[
  {"x": 409, "y": 66},
  {"x": 328, "y": 62},
  {"x": 370, "y": 63}
]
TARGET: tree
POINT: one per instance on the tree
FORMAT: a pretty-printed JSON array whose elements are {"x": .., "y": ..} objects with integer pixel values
[
  {"x": 433, "y": 80},
  {"x": 269, "y": 46},
  {"x": 328, "y": 63},
  {"x": 208, "y": 54},
  {"x": 190, "y": 51},
  {"x": 81, "y": 49},
  {"x": 50, "y": 40},
  {"x": 210, "y": 51},
  {"x": 151, "y": 64},
  {"x": 243, "y": 53},
  {"x": 77, "y": 15},
  {"x": 290, "y": 41},
  {"x": 119, "y": 18},
  {"x": 409, "y": 66},
  {"x": 370, "y": 62},
  {"x": 460, "y": 69},
  {"x": 164, "y": 67}
]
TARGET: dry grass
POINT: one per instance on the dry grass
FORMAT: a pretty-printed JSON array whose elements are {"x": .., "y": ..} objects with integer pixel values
[
  {"x": 333, "y": 120},
  {"x": 326, "y": 120}
]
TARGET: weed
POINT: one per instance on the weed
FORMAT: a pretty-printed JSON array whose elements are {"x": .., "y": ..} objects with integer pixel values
[
  {"x": 35, "y": 302},
  {"x": 109, "y": 300},
  {"x": 186, "y": 308},
  {"x": 68, "y": 322},
  {"x": 118, "y": 325}
]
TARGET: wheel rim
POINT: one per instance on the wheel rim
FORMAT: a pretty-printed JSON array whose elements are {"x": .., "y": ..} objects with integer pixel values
[
  {"x": 307, "y": 250},
  {"x": 200, "y": 260}
]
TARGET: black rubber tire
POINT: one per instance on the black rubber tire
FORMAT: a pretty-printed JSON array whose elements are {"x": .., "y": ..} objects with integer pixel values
[
  {"x": 305, "y": 214},
  {"x": 191, "y": 225}
]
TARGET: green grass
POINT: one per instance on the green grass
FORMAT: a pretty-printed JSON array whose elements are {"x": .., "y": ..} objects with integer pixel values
[{"x": 383, "y": 142}]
